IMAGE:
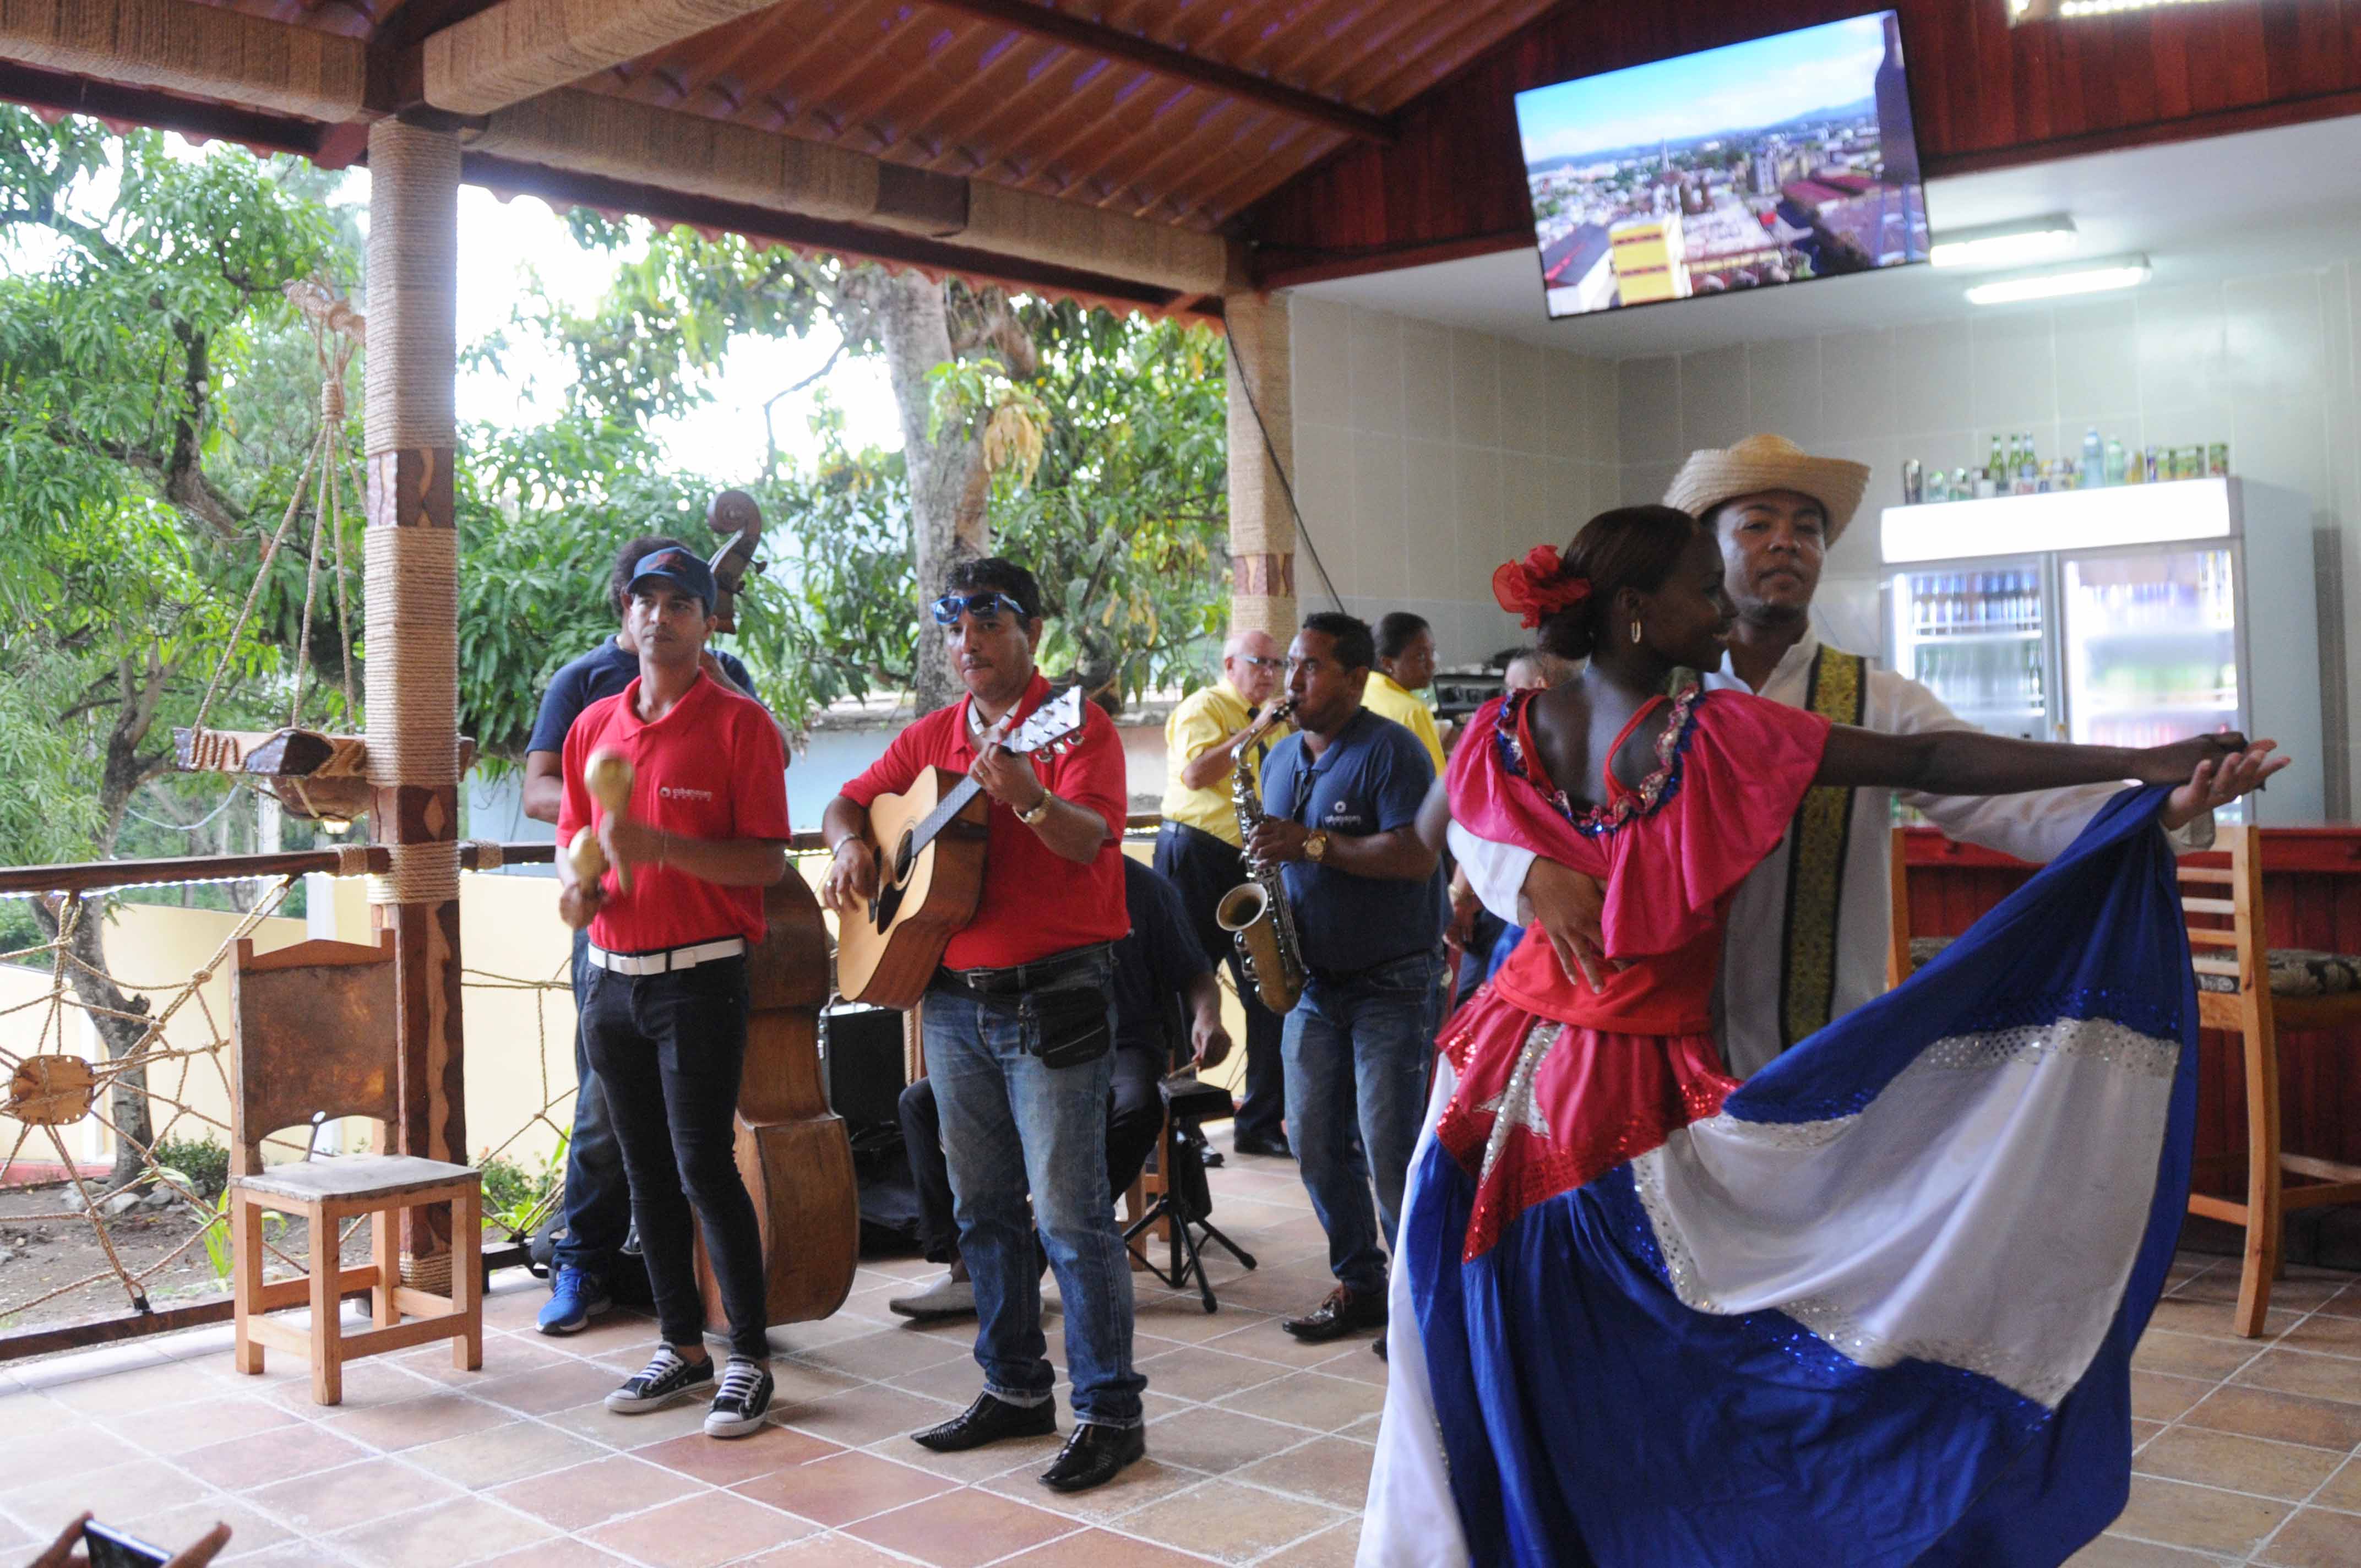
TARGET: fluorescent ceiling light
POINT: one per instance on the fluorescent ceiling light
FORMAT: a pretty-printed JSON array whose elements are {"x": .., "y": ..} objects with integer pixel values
[
  {"x": 2023, "y": 11},
  {"x": 2017, "y": 244},
  {"x": 2088, "y": 278}
]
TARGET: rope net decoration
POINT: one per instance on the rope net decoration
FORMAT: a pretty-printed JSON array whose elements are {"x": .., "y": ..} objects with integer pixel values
[
  {"x": 52, "y": 1087},
  {"x": 49, "y": 1091},
  {"x": 336, "y": 793}
]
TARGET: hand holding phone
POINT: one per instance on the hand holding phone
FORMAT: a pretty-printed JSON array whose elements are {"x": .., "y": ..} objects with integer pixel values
[{"x": 86, "y": 1543}]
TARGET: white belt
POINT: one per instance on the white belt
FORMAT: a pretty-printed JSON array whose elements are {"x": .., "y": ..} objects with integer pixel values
[{"x": 660, "y": 963}]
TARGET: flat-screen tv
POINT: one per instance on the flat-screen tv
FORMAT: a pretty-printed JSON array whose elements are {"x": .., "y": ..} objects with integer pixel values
[{"x": 1767, "y": 162}]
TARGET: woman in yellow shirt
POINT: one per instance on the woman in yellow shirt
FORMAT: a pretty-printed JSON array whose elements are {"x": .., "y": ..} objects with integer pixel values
[{"x": 1405, "y": 668}]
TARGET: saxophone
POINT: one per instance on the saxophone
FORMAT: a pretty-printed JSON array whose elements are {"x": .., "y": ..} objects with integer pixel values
[{"x": 1255, "y": 913}]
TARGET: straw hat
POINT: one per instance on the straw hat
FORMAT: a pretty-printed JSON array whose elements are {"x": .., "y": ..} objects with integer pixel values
[{"x": 1768, "y": 463}]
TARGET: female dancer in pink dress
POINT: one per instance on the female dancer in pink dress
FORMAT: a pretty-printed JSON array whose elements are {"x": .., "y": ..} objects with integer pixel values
[{"x": 1874, "y": 1305}]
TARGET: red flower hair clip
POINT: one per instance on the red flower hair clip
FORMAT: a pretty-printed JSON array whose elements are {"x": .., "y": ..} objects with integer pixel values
[{"x": 1537, "y": 587}]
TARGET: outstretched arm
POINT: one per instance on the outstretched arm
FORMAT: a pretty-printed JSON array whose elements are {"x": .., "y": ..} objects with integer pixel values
[{"x": 1967, "y": 762}]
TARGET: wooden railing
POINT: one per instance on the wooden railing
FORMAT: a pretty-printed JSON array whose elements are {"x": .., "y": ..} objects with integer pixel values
[
  {"x": 360, "y": 859},
  {"x": 92, "y": 876}
]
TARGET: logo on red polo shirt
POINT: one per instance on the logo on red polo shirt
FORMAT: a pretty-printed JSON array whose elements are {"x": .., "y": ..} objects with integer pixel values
[{"x": 682, "y": 791}]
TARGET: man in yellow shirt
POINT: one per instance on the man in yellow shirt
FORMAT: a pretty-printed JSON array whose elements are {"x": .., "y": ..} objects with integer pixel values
[
  {"x": 1405, "y": 668},
  {"x": 1197, "y": 848}
]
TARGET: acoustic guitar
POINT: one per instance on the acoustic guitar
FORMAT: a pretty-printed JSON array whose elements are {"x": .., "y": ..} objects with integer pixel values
[{"x": 929, "y": 844}]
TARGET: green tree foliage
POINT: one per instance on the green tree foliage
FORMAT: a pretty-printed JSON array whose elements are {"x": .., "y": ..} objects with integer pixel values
[
  {"x": 1107, "y": 477},
  {"x": 140, "y": 287},
  {"x": 137, "y": 286}
]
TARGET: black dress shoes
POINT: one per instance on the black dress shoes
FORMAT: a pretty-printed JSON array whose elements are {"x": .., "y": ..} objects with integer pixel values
[
  {"x": 988, "y": 1421},
  {"x": 1343, "y": 1312},
  {"x": 1093, "y": 1456},
  {"x": 1274, "y": 1146}
]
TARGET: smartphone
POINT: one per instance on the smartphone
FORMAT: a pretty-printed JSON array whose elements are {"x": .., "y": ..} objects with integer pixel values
[{"x": 110, "y": 1548}]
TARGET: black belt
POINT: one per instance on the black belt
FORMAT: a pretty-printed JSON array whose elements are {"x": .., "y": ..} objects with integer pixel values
[
  {"x": 1017, "y": 978},
  {"x": 1184, "y": 832}
]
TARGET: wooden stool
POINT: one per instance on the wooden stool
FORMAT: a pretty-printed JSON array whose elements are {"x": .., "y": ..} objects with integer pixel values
[
  {"x": 2244, "y": 987},
  {"x": 312, "y": 1039}
]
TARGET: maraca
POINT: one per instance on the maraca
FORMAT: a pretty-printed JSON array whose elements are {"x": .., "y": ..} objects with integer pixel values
[
  {"x": 588, "y": 860},
  {"x": 606, "y": 773}
]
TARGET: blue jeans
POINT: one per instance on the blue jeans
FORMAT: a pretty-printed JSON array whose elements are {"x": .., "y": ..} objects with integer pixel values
[
  {"x": 1010, "y": 1126},
  {"x": 598, "y": 1194},
  {"x": 1357, "y": 1050}
]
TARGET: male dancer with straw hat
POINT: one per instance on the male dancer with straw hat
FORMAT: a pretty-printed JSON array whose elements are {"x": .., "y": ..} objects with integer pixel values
[{"x": 1808, "y": 933}]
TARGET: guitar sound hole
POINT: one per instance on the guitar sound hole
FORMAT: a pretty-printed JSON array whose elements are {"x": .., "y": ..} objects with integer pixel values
[{"x": 901, "y": 858}]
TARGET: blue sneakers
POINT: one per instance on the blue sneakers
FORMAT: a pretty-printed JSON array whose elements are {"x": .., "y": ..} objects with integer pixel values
[{"x": 575, "y": 1298}]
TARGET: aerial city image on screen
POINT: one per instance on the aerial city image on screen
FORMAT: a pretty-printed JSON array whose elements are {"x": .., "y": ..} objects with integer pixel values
[{"x": 1766, "y": 162}]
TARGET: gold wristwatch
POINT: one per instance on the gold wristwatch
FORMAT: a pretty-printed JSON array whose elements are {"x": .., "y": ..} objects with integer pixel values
[
  {"x": 1316, "y": 847},
  {"x": 1040, "y": 812}
]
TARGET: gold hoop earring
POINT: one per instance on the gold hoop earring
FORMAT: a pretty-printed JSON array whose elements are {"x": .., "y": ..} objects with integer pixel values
[{"x": 1635, "y": 632}]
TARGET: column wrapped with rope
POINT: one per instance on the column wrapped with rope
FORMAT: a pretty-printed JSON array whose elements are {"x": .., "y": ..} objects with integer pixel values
[
  {"x": 1262, "y": 465},
  {"x": 413, "y": 694}
]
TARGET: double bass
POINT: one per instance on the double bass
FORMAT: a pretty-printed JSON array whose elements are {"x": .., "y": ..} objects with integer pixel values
[{"x": 793, "y": 1151}]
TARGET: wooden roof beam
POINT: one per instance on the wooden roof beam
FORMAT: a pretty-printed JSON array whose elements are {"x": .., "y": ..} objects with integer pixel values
[
  {"x": 1114, "y": 43},
  {"x": 521, "y": 48},
  {"x": 667, "y": 201},
  {"x": 617, "y": 140},
  {"x": 186, "y": 47}
]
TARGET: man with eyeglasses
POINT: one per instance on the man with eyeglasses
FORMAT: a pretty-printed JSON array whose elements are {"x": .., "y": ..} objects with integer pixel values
[
  {"x": 1197, "y": 848},
  {"x": 1019, "y": 1030}
]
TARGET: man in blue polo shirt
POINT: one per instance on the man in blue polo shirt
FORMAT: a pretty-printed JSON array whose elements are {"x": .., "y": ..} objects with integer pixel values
[
  {"x": 1341, "y": 799},
  {"x": 598, "y": 1198}
]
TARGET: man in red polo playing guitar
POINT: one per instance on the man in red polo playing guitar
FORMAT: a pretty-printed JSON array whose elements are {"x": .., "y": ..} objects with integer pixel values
[
  {"x": 1019, "y": 1027},
  {"x": 663, "y": 1011}
]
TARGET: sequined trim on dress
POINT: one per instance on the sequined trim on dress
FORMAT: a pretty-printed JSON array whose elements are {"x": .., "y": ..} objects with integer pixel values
[
  {"x": 2091, "y": 1039},
  {"x": 1831, "y": 1323},
  {"x": 1515, "y": 1106},
  {"x": 1594, "y": 821},
  {"x": 2139, "y": 1016}
]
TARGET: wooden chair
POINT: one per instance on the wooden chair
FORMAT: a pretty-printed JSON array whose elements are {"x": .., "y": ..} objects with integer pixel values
[
  {"x": 314, "y": 1038},
  {"x": 1899, "y": 966},
  {"x": 2246, "y": 988}
]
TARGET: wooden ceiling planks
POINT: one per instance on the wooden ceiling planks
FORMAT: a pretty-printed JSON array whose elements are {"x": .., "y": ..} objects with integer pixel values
[{"x": 936, "y": 87}]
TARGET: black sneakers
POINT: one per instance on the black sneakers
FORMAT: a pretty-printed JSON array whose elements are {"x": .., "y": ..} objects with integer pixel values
[
  {"x": 668, "y": 1377},
  {"x": 742, "y": 1401}
]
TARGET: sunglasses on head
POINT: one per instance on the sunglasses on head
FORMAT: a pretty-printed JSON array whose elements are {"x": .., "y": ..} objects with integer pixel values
[
  {"x": 1260, "y": 662},
  {"x": 985, "y": 606}
]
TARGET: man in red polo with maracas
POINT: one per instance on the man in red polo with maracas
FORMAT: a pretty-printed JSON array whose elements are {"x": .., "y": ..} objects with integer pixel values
[{"x": 664, "y": 1015}]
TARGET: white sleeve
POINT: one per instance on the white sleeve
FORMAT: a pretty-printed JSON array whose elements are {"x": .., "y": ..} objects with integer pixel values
[
  {"x": 2037, "y": 825},
  {"x": 1495, "y": 871}
]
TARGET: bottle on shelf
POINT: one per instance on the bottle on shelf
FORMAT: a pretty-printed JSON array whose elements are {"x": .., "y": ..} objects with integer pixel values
[
  {"x": 1996, "y": 462},
  {"x": 2029, "y": 470},
  {"x": 2094, "y": 460},
  {"x": 2113, "y": 470}
]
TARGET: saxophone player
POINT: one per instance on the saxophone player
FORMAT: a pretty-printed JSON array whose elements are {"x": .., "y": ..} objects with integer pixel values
[
  {"x": 1340, "y": 802},
  {"x": 1209, "y": 736}
]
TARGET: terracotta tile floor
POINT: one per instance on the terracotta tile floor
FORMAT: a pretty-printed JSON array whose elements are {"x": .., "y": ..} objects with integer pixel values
[{"x": 1259, "y": 1447}]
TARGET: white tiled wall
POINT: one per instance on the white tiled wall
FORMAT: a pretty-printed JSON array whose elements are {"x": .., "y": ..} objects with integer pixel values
[
  {"x": 2265, "y": 363},
  {"x": 1425, "y": 456}
]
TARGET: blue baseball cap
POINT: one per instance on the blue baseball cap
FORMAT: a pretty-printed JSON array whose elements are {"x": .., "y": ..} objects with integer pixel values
[{"x": 679, "y": 568}]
